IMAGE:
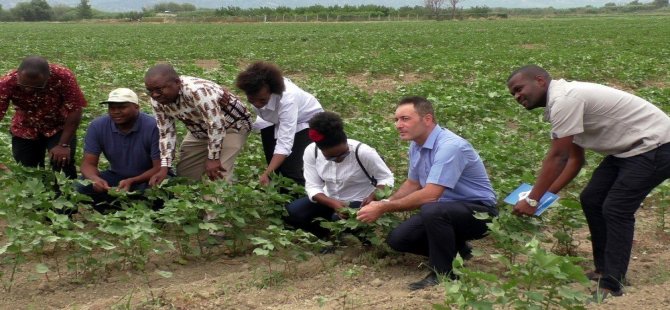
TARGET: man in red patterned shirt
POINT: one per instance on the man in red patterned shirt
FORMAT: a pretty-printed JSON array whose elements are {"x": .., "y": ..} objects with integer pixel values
[{"x": 48, "y": 105}]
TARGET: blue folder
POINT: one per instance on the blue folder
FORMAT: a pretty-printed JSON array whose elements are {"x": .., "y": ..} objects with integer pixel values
[{"x": 522, "y": 192}]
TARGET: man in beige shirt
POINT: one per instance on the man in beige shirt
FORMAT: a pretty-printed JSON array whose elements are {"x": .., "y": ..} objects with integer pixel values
[{"x": 632, "y": 133}]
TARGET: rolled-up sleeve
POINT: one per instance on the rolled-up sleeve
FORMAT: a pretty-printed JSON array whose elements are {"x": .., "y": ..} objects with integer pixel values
[
  {"x": 288, "y": 121},
  {"x": 313, "y": 182}
]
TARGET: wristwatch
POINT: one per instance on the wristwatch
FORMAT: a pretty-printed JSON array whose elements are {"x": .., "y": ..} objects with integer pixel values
[{"x": 531, "y": 202}]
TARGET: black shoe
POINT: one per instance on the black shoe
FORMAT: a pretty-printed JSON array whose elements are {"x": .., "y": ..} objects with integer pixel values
[
  {"x": 602, "y": 293},
  {"x": 430, "y": 280},
  {"x": 597, "y": 276},
  {"x": 328, "y": 250},
  {"x": 466, "y": 251}
]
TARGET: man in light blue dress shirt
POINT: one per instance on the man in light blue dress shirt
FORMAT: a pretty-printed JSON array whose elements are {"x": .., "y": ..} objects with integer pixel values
[{"x": 447, "y": 182}]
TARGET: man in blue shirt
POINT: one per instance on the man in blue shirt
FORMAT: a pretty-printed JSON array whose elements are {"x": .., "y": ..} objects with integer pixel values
[
  {"x": 447, "y": 182},
  {"x": 129, "y": 140}
]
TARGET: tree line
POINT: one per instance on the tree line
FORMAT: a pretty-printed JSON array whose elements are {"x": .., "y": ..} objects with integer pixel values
[{"x": 40, "y": 10}]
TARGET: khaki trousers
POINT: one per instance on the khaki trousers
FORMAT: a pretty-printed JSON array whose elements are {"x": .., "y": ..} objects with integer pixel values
[{"x": 193, "y": 154}]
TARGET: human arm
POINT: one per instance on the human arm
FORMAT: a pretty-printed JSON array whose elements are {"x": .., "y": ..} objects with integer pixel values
[
  {"x": 60, "y": 154},
  {"x": 167, "y": 138},
  {"x": 553, "y": 167},
  {"x": 89, "y": 169},
  {"x": 403, "y": 200},
  {"x": 275, "y": 162},
  {"x": 287, "y": 115},
  {"x": 207, "y": 102}
]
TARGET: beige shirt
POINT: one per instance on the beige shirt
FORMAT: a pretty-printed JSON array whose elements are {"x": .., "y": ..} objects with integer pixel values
[{"x": 603, "y": 119}]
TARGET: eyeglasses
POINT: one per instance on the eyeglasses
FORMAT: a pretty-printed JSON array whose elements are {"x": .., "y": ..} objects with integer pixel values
[
  {"x": 158, "y": 91},
  {"x": 338, "y": 157},
  {"x": 43, "y": 86}
]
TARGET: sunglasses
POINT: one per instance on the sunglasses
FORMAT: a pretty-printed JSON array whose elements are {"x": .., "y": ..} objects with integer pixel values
[{"x": 339, "y": 157}]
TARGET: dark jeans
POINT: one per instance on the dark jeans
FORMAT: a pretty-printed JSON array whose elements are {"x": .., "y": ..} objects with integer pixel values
[
  {"x": 616, "y": 190},
  {"x": 103, "y": 201},
  {"x": 292, "y": 165},
  {"x": 31, "y": 152},
  {"x": 439, "y": 230},
  {"x": 302, "y": 213}
]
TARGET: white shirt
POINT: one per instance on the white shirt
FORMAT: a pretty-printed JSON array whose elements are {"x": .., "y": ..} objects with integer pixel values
[
  {"x": 346, "y": 180},
  {"x": 290, "y": 112},
  {"x": 606, "y": 120}
]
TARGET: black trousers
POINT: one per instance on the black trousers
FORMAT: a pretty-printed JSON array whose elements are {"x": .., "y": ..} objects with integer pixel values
[
  {"x": 303, "y": 214},
  {"x": 292, "y": 165},
  {"x": 439, "y": 230},
  {"x": 609, "y": 201},
  {"x": 32, "y": 152}
]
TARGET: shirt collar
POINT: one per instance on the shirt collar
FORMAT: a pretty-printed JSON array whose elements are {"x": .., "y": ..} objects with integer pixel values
[
  {"x": 136, "y": 126},
  {"x": 272, "y": 103},
  {"x": 432, "y": 138}
]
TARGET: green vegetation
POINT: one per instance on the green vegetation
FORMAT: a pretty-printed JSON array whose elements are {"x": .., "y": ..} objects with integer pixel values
[{"x": 359, "y": 70}]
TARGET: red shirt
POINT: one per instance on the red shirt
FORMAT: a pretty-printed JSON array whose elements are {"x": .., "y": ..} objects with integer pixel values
[{"x": 43, "y": 112}]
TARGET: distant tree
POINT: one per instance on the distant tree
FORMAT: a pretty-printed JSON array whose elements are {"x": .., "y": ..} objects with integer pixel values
[
  {"x": 453, "y": 4},
  {"x": 660, "y": 3},
  {"x": 434, "y": 6},
  {"x": 173, "y": 7},
  {"x": 610, "y": 4},
  {"x": 35, "y": 10},
  {"x": 635, "y": 2},
  {"x": 64, "y": 13},
  {"x": 84, "y": 10}
]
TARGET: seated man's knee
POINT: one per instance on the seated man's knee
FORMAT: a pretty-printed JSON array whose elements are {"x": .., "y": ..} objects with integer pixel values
[{"x": 396, "y": 240}]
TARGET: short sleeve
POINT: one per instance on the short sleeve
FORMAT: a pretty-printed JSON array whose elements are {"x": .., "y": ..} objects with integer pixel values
[
  {"x": 566, "y": 117},
  {"x": 92, "y": 143},
  {"x": 448, "y": 165}
]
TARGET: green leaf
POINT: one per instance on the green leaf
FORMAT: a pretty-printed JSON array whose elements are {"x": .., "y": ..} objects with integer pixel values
[
  {"x": 41, "y": 268},
  {"x": 164, "y": 274}
]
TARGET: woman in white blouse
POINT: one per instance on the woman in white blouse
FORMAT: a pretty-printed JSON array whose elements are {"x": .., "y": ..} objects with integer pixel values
[
  {"x": 339, "y": 172},
  {"x": 285, "y": 109}
]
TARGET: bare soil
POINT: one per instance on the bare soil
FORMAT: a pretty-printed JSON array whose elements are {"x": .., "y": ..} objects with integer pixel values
[{"x": 351, "y": 278}]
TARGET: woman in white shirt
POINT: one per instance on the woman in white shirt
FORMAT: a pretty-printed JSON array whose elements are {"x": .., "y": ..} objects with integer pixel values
[
  {"x": 339, "y": 172},
  {"x": 283, "y": 111}
]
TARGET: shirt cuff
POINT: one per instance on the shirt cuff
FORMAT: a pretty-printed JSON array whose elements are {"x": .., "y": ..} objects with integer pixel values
[
  {"x": 166, "y": 162},
  {"x": 311, "y": 192}
]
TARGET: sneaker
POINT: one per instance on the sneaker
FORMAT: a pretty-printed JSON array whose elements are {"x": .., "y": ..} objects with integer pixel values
[
  {"x": 430, "y": 280},
  {"x": 603, "y": 293}
]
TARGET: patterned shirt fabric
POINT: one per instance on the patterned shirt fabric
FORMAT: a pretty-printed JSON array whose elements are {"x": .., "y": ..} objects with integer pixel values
[
  {"x": 207, "y": 110},
  {"x": 450, "y": 161},
  {"x": 41, "y": 112}
]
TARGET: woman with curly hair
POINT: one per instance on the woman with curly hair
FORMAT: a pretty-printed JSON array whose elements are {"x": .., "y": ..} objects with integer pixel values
[
  {"x": 339, "y": 172},
  {"x": 285, "y": 109}
]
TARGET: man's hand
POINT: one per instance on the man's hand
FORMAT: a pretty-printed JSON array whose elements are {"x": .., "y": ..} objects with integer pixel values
[
  {"x": 4, "y": 168},
  {"x": 264, "y": 179},
  {"x": 368, "y": 199},
  {"x": 60, "y": 155},
  {"x": 100, "y": 185},
  {"x": 125, "y": 185},
  {"x": 158, "y": 177},
  {"x": 371, "y": 212},
  {"x": 214, "y": 169},
  {"x": 523, "y": 208}
]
